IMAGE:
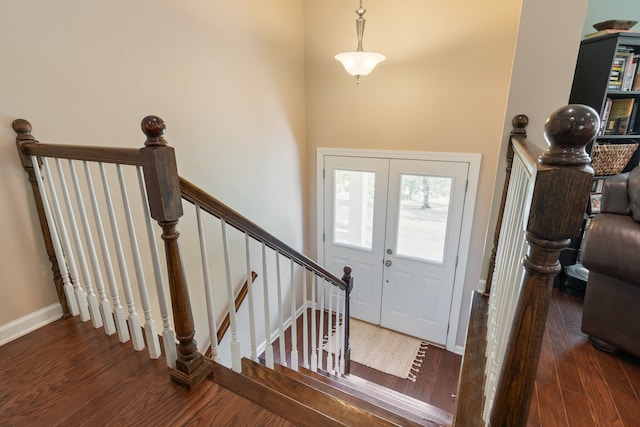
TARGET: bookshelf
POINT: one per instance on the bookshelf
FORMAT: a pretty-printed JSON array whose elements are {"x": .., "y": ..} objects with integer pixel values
[{"x": 607, "y": 78}]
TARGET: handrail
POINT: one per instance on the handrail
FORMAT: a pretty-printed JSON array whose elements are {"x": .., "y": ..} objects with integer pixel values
[
  {"x": 197, "y": 196},
  {"x": 119, "y": 155}
]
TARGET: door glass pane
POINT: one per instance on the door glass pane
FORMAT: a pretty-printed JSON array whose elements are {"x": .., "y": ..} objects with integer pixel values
[
  {"x": 423, "y": 213},
  {"x": 353, "y": 208}
]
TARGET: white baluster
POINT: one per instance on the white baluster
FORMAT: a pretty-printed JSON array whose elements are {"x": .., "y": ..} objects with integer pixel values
[
  {"x": 268, "y": 350},
  {"x": 168, "y": 335},
  {"x": 321, "y": 331},
  {"x": 81, "y": 296},
  {"x": 55, "y": 238},
  {"x": 150, "y": 330},
  {"x": 283, "y": 354},
  {"x": 330, "y": 330},
  {"x": 92, "y": 300},
  {"x": 305, "y": 322},
  {"x": 294, "y": 323},
  {"x": 314, "y": 332},
  {"x": 97, "y": 316},
  {"x": 252, "y": 320},
  {"x": 118, "y": 310},
  {"x": 133, "y": 320},
  {"x": 211, "y": 314},
  {"x": 236, "y": 363}
]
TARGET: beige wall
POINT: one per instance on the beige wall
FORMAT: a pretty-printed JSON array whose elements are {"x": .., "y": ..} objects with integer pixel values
[
  {"x": 443, "y": 87},
  {"x": 455, "y": 74},
  {"x": 226, "y": 76}
]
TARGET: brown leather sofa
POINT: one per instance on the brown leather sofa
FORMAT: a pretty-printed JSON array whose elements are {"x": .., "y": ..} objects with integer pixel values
[{"x": 611, "y": 252}]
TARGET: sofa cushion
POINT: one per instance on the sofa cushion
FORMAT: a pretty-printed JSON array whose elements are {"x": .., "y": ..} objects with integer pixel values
[
  {"x": 611, "y": 247},
  {"x": 615, "y": 195},
  {"x": 633, "y": 189}
]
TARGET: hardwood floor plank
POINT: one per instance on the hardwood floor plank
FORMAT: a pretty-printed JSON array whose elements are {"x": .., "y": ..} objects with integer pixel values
[
  {"x": 625, "y": 398},
  {"x": 549, "y": 395},
  {"x": 601, "y": 401}
]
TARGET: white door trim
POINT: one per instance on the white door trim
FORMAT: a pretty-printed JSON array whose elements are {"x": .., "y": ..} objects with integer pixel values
[{"x": 473, "y": 159}]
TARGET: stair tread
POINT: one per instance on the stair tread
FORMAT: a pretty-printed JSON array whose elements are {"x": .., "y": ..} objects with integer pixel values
[
  {"x": 389, "y": 413},
  {"x": 333, "y": 407},
  {"x": 408, "y": 406}
]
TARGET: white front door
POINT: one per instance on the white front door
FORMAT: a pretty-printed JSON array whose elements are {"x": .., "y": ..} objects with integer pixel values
[
  {"x": 397, "y": 223},
  {"x": 424, "y": 217}
]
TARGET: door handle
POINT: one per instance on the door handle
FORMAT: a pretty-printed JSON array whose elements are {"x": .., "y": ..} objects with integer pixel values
[{"x": 387, "y": 263}]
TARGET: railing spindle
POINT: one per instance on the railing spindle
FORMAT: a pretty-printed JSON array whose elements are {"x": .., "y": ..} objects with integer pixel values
[
  {"x": 305, "y": 322},
  {"x": 150, "y": 330},
  {"x": 81, "y": 297},
  {"x": 321, "y": 331},
  {"x": 236, "y": 363},
  {"x": 118, "y": 310},
  {"x": 314, "y": 331},
  {"x": 283, "y": 353},
  {"x": 268, "y": 351},
  {"x": 252, "y": 320},
  {"x": 97, "y": 312},
  {"x": 330, "y": 330},
  {"x": 133, "y": 320},
  {"x": 211, "y": 312},
  {"x": 168, "y": 335},
  {"x": 294, "y": 325},
  {"x": 92, "y": 300},
  {"x": 55, "y": 239}
]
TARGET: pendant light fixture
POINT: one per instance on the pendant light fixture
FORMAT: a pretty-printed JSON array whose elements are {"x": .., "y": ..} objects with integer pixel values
[{"x": 359, "y": 63}]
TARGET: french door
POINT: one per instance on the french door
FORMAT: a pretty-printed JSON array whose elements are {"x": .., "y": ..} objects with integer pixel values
[{"x": 397, "y": 223}]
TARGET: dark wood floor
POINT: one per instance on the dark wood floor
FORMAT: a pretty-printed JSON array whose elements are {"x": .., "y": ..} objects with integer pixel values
[
  {"x": 69, "y": 374},
  {"x": 578, "y": 385},
  {"x": 436, "y": 382}
]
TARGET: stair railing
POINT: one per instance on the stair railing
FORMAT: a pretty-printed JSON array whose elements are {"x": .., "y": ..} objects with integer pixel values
[
  {"x": 542, "y": 209},
  {"x": 302, "y": 290},
  {"x": 93, "y": 221}
]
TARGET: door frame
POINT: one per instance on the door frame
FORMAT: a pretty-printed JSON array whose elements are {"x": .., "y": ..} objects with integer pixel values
[{"x": 473, "y": 159}]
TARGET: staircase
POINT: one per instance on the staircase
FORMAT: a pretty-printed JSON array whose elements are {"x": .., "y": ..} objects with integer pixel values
[{"x": 318, "y": 398}]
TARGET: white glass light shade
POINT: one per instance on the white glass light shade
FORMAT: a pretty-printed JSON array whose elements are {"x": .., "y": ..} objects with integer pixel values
[{"x": 359, "y": 63}]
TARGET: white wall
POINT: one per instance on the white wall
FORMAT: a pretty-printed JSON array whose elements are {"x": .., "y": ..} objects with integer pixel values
[{"x": 226, "y": 76}]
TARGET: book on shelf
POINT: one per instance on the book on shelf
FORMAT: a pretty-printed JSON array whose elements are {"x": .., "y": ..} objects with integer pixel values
[
  {"x": 629, "y": 72},
  {"x": 623, "y": 70},
  {"x": 619, "y": 116},
  {"x": 604, "y": 116},
  {"x": 636, "y": 80},
  {"x": 606, "y": 32}
]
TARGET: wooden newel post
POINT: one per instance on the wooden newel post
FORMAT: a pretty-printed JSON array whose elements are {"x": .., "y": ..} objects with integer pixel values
[
  {"x": 23, "y": 135},
  {"x": 346, "y": 278},
  {"x": 165, "y": 203},
  {"x": 560, "y": 195}
]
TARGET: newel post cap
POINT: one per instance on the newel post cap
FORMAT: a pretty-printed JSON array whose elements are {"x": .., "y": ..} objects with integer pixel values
[{"x": 567, "y": 131}]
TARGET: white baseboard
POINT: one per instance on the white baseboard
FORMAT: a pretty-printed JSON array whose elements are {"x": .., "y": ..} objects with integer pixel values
[
  {"x": 459, "y": 349},
  {"x": 32, "y": 321}
]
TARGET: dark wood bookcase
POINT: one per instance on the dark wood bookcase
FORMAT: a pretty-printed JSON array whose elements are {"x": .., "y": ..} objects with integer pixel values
[{"x": 594, "y": 83}]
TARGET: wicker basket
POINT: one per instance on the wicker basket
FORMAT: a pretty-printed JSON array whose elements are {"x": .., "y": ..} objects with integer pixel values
[{"x": 610, "y": 159}]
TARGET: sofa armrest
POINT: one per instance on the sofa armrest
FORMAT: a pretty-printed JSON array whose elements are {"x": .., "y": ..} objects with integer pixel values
[{"x": 615, "y": 198}]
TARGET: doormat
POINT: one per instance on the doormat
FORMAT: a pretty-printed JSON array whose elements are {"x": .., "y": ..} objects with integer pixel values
[{"x": 385, "y": 350}]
